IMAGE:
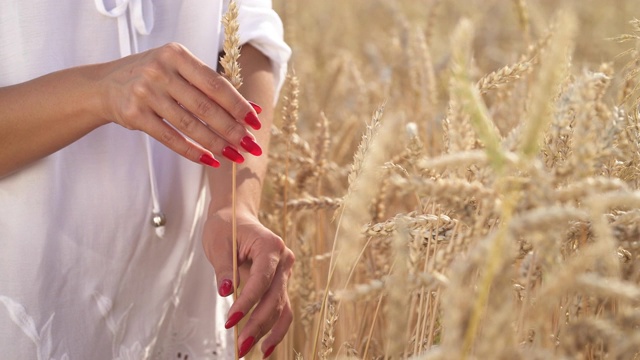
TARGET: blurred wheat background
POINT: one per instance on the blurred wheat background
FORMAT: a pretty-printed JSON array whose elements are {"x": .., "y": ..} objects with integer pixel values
[{"x": 459, "y": 179}]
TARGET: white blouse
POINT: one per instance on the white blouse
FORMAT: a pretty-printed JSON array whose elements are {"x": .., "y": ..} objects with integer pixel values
[{"x": 84, "y": 274}]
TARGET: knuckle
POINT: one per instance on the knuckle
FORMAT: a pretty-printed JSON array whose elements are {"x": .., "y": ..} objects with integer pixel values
[
  {"x": 154, "y": 71},
  {"x": 171, "y": 51},
  {"x": 278, "y": 311},
  {"x": 214, "y": 143},
  {"x": 252, "y": 299},
  {"x": 204, "y": 107},
  {"x": 190, "y": 152},
  {"x": 279, "y": 244},
  {"x": 217, "y": 84},
  {"x": 239, "y": 108},
  {"x": 287, "y": 316},
  {"x": 186, "y": 122},
  {"x": 280, "y": 247},
  {"x": 233, "y": 130},
  {"x": 289, "y": 258},
  {"x": 168, "y": 138},
  {"x": 140, "y": 90},
  {"x": 266, "y": 277},
  {"x": 130, "y": 114}
]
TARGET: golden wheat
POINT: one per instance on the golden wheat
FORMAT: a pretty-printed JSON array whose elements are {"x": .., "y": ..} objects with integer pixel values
[{"x": 493, "y": 213}]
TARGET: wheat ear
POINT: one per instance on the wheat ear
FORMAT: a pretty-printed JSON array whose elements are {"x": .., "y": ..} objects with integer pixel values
[
  {"x": 231, "y": 45},
  {"x": 546, "y": 86}
]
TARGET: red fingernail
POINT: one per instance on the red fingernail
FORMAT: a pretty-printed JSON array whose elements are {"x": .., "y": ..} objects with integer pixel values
[
  {"x": 232, "y": 154},
  {"x": 225, "y": 288},
  {"x": 251, "y": 146},
  {"x": 252, "y": 120},
  {"x": 256, "y": 107},
  {"x": 268, "y": 352},
  {"x": 233, "y": 320},
  {"x": 246, "y": 346},
  {"x": 209, "y": 160}
]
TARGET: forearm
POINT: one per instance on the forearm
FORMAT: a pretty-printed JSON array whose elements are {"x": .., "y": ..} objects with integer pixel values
[
  {"x": 43, "y": 115},
  {"x": 258, "y": 86}
]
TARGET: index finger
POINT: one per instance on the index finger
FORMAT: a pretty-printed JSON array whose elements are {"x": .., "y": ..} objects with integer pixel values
[
  {"x": 260, "y": 278},
  {"x": 216, "y": 87}
]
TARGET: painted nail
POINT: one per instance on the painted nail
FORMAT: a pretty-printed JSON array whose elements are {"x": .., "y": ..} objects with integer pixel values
[
  {"x": 251, "y": 146},
  {"x": 226, "y": 287},
  {"x": 209, "y": 160},
  {"x": 246, "y": 346},
  {"x": 252, "y": 120},
  {"x": 268, "y": 352},
  {"x": 232, "y": 154},
  {"x": 256, "y": 107},
  {"x": 234, "y": 319}
]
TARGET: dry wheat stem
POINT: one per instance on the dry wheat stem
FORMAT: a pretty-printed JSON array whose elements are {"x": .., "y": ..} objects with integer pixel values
[
  {"x": 231, "y": 68},
  {"x": 524, "y": 20},
  {"x": 234, "y": 241},
  {"x": 494, "y": 262},
  {"x": 364, "y": 163},
  {"x": 372, "y": 327},
  {"x": 470, "y": 96}
]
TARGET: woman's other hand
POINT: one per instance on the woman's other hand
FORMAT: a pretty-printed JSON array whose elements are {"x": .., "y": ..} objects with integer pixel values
[{"x": 264, "y": 264}]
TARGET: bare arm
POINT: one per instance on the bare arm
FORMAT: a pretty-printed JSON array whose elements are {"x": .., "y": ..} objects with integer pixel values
[
  {"x": 257, "y": 87},
  {"x": 265, "y": 262},
  {"x": 43, "y": 115}
]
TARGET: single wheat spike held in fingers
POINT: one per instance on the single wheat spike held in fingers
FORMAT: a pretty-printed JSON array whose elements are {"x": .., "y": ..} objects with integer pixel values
[
  {"x": 231, "y": 45},
  {"x": 231, "y": 68}
]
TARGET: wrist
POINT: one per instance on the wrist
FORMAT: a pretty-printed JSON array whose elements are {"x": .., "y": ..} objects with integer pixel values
[
  {"x": 226, "y": 211},
  {"x": 98, "y": 105}
]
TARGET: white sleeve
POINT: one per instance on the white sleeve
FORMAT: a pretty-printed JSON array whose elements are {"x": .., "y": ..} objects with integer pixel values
[{"x": 261, "y": 27}]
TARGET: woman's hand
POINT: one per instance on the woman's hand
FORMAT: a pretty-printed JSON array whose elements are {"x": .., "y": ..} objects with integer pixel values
[
  {"x": 204, "y": 113},
  {"x": 264, "y": 264}
]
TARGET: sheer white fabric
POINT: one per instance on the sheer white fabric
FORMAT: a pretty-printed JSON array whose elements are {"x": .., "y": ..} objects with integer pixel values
[{"x": 83, "y": 273}]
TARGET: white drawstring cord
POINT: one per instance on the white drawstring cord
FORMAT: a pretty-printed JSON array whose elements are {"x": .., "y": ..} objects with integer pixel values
[
  {"x": 118, "y": 12},
  {"x": 142, "y": 20},
  {"x": 158, "y": 218}
]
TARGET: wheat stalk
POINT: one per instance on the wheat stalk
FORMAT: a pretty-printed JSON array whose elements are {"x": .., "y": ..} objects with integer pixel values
[
  {"x": 467, "y": 93},
  {"x": 231, "y": 68},
  {"x": 363, "y": 161},
  {"x": 523, "y": 19}
]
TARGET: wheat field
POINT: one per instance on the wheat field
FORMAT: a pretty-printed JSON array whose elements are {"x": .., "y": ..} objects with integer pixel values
[{"x": 459, "y": 179}]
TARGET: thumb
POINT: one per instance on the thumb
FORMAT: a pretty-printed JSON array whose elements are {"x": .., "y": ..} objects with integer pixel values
[{"x": 219, "y": 250}]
